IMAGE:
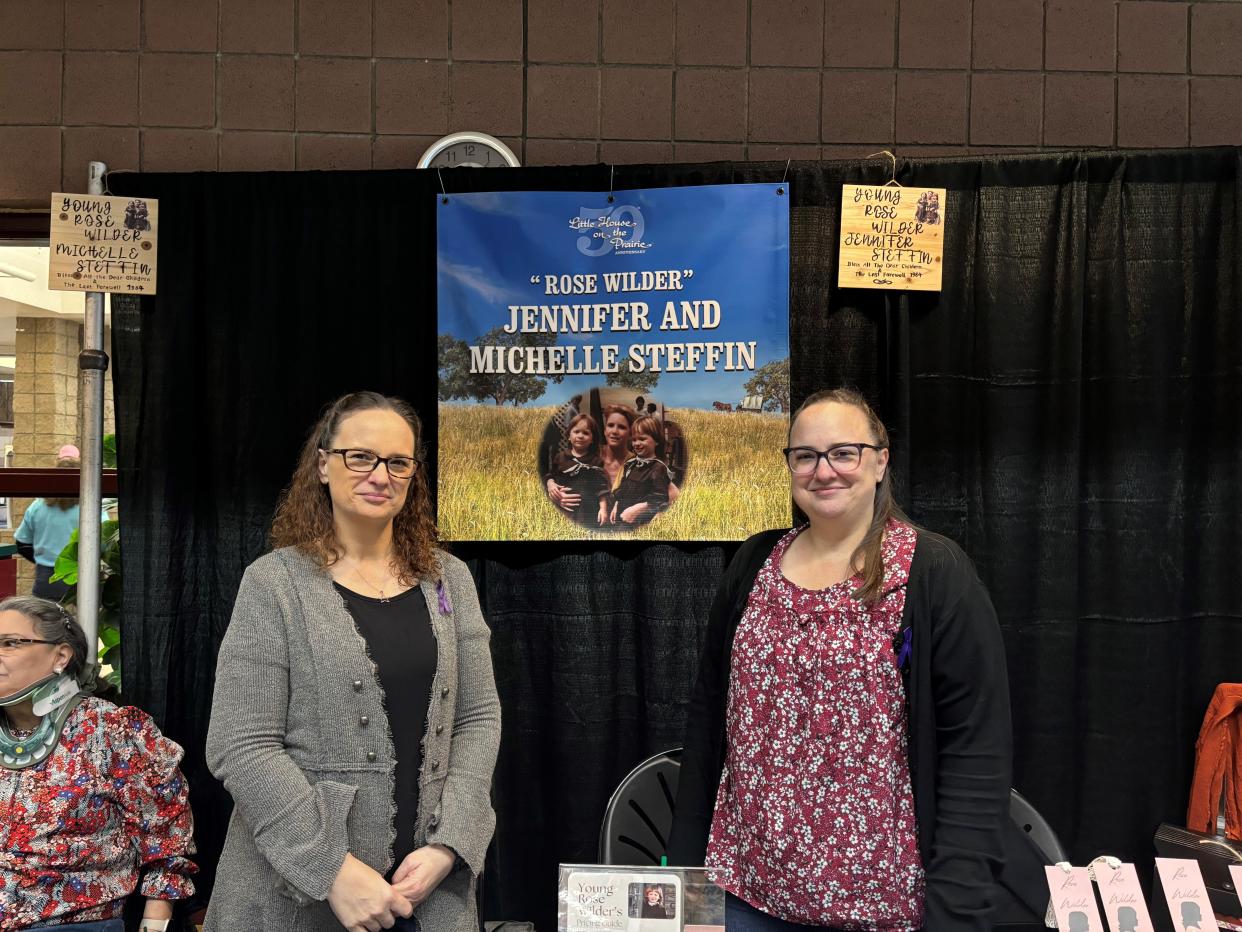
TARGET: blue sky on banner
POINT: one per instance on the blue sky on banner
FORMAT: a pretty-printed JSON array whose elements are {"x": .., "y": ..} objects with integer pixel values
[{"x": 734, "y": 237}]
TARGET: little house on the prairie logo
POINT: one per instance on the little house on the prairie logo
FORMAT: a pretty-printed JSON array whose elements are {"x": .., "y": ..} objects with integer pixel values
[{"x": 617, "y": 228}]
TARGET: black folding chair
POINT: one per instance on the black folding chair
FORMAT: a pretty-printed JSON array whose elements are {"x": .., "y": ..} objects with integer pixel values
[
  {"x": 1027, "y": 818},
  {"x": 639, "y": 816}
]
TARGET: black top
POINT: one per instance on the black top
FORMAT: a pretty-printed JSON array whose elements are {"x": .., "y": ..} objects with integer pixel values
[
  {"x": 402, "y": 646},
  {"x": 960, "y": 742}
]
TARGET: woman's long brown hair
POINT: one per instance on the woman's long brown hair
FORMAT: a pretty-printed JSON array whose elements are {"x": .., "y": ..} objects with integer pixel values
[
  {"x": 304, "y": 513},
  {"x": 870, "y": 552}
]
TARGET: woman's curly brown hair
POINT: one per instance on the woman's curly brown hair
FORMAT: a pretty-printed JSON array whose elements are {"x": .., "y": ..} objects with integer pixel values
[{"x": 304, "y": 513}]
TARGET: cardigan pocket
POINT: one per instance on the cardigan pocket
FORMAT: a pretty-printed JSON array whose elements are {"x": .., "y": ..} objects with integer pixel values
[{"x": 319, "y": 773}]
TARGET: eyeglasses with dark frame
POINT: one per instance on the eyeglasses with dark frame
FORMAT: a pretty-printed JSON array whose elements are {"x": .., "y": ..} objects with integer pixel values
[
  {"x": 10, "y": 644},
  {"x": 399, "y": 467},
  {"x": 842, "y": 457}
]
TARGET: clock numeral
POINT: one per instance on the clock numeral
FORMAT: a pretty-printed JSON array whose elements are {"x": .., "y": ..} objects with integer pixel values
[{"x": 467, "y": 152}]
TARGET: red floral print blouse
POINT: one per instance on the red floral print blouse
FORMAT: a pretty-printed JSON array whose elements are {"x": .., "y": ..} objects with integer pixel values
[
  {"x": 79, "y": 829},
  {"x": 814, "y": 821}
]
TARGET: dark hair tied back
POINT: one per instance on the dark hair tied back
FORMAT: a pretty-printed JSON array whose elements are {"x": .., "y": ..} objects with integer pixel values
[{"x": 55, "y": 623}]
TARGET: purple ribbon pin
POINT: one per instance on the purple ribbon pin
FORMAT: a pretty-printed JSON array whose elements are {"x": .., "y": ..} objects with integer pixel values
[
  {"x": 903, "y": 656},
  {"x": 442, "y": 598}
]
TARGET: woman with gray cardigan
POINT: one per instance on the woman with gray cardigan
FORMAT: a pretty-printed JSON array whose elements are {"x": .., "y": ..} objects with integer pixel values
[{"x": 355, "y": 719}]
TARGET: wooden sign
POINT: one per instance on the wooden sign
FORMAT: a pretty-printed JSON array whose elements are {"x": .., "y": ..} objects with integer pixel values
[
  {"x": 891, "y": 237},
  {"x": 103, "y": 243}
]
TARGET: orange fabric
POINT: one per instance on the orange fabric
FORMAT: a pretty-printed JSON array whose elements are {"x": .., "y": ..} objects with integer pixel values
[{"x": 1218, "y": 765}]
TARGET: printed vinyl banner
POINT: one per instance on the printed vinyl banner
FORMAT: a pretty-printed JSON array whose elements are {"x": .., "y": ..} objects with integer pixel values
[{"x": 614, "y": 365}]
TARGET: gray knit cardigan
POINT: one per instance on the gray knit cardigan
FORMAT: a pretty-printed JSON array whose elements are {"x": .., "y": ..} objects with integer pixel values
[{"x": 300, "y": 738}]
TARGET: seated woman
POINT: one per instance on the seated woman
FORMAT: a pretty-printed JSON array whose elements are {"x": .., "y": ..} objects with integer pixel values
[
  {"x": 93, "y": 805},
  {"x": 847, "y": 759}
]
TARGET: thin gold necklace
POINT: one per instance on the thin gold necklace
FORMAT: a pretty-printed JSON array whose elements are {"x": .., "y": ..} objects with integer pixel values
[{"x": 358, "y": 573}]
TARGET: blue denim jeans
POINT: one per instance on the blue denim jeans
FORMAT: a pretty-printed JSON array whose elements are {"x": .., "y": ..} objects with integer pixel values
[
  {"x": 103, "y": 925},
  {"x": 740, "y": 916}
]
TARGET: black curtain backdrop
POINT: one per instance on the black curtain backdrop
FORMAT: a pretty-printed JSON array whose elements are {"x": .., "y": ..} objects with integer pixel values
[{"x": 1067, "y": 409}]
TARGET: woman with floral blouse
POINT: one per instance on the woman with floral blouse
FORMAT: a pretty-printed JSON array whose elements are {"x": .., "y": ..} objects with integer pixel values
[
  {"x": 847, "y": 750},
  {"x": 93, "y": 807}
]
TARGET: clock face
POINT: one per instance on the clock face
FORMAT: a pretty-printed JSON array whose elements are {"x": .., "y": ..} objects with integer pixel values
[{"x": 470, "y": 153}]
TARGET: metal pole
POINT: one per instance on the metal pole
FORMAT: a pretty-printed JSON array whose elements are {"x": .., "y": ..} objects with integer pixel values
[{"x": 92, "y": 363}]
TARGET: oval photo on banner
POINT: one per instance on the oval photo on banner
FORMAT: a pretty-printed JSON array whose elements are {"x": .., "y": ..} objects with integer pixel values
[{"x": 612, "y": 459}]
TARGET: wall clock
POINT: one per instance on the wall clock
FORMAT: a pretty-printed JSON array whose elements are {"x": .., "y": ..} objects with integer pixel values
[{"x": 468, "y": 150}]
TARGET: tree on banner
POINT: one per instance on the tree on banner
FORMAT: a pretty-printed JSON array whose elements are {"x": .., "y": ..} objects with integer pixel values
[
  {"x": 457, "y": 381},
  {"x": 772, "y": 382}
]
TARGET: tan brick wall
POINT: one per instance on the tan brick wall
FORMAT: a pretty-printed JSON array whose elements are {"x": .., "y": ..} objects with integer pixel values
[
  {"x": 45, "y": 404},
  {"x": 47, "y": 410},
  {"x": 45, "y": 389},
  {"x": 170, "y": 85}
]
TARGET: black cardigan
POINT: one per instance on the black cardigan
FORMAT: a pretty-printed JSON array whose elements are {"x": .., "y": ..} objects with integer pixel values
[{"x": 960, "y": 744}]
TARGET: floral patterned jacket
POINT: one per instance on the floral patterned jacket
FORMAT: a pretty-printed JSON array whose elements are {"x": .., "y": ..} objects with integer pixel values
[{"x": 77, "y": 832}]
